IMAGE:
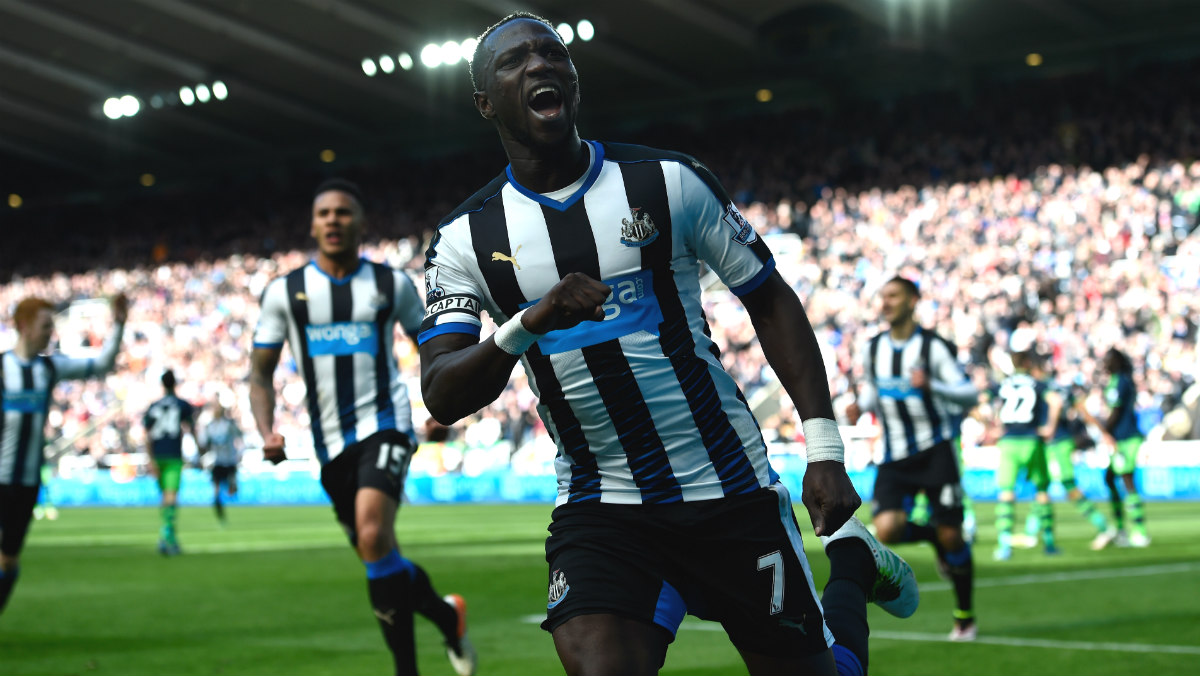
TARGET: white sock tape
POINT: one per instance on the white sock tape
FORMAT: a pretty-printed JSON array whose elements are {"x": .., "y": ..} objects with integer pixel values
[
  {"x": 823, "y": 440},
  {"x": 513, "y": 337}
]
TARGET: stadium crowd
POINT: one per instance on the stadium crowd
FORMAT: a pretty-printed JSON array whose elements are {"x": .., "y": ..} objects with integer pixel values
[{"x": 1066, "y": 206}]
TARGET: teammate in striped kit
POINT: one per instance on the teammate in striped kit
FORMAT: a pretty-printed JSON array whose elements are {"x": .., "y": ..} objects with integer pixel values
[
  {"x": 588, "y": 256},
  {"x": 165, "y": 422},
  {"x": 27, "y": 379},
  {"x": 223, "y": 438},
  {"x": 338, "y": 315},
  {"x": 912, "y": 379}
]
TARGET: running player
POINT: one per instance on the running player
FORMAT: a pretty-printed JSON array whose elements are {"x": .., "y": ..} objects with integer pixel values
[
  {"x": 166, "y": 421},
  {"x": 27, "y": 379},
  {"x": 338, "y": 315},
  {"x": 1023, "y": 416},
  {"x": 223, "y": 438},
  {"x": 1121, "y": 434},
  {"x": 588, "y": 255},
  {"x": 913, "y": 382}
]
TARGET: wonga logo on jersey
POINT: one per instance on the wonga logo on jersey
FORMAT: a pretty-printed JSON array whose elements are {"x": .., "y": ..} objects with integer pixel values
[
  {"x": 341, "y": 338},
  {"x": 631, "y": 307}
]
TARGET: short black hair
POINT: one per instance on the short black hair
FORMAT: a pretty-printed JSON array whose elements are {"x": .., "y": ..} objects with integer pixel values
[
  {"x": 477, "y": 64},
  {"x": 341, "y": 185},
  {"x": 1122, "y": 362},
  {"x": 909, "y": 285},
  {"x": 168, "y": 379}
]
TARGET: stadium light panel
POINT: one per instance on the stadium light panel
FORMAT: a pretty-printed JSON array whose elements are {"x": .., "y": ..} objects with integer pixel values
[
  {"x": 112, "y": 108},
  {"x": 157, "y": 101},
  {"x": 202, "y": 93},
  {"x": 467, "y": 48},
  {"x": 328, "y": 156},
  {"x": 764, "y": 95},
  {"x": 387, "y": 64},
  {"x": 130, "y": 105},
  {"x": 368, "y": 67},
  {"x": 451, "y": 53},
  {"x": 15, "y": 201},
  {"x": 220, "y": 90},
  {"x": 147, "y": 180},
  {"x": 585, "y": 30},
  {"x": 431, "y": 55},
  {"x": 186, "y": 96},
  {"x": 1033, "y": 60},
  {"x": 405, "y": 60},
  {"x": 566, "y": 32}
]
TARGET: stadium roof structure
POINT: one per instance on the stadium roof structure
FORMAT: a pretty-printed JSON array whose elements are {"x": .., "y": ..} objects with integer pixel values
[{"x": 296, "y": 83}]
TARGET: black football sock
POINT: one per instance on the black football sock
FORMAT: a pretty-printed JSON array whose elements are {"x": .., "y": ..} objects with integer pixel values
[
  {"x": 851, "y": 579},
  {"x": 389, "y": 584},
  {"x": 7, "y": 580}
]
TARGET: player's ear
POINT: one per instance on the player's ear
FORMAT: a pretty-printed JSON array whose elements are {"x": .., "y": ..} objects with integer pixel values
[{"x": 484, "y": 105}]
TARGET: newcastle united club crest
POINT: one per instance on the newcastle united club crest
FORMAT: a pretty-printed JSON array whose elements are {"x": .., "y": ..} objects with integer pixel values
[{"x": 638, "y": 230}]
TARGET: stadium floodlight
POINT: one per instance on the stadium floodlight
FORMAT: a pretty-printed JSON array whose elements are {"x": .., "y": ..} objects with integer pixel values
[
  {"x": 220, "y": 90},
  {"x": 467, "y": 49},
  {"x": 15, "y": 201},
  {"x": 130, "y": 105},
  {"x": 566, "y": 32},
  {"x": 327, "y": 155},
  {"x": 451, "y": 52},
  {"x": 112, "y": 108},
  {"x": 387, "y": 64},
  {"x": 431, "y": 55},
  {"x": 147, "y": 180},
  {"x": 368, "y": 67},
  {"x": 186, "y": 96},
  {"x": 1033, "y": 60},
  {"x": 585, "y": 30},
  {"x": 764, "y": 95},
  {"x": 405, "y": 60},
  {"x": 202, "y": 93},
  {"x": 157, "y": 101}
]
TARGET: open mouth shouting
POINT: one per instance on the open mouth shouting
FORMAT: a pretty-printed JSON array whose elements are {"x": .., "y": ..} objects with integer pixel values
[{"x": 546, "y": 101}]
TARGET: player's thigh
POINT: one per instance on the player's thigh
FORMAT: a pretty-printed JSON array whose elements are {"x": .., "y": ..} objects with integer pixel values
[
  {"x": 16, "y": 514},
  {"x": 1124, "y": 458},
  {"x": 746, "y": 568},
  {"x": 604, "y": 644},
  {"x": 1038, "y": 468},
  {"x": 894, "y": 486},
  {"x": 1058, "y": 460},
  {"x": 1010, "y": 463},
  {"x": 170, "y": 472},
  {"x": 941, "y": 479}
]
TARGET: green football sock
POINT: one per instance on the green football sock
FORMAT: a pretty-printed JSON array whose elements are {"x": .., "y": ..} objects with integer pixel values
[
  {"x": 1136, "y": 510},
  {"x": 1005, "y": 512},
  {"x": 1045, "y": 516},
  {"x": 167, "y": 532}
]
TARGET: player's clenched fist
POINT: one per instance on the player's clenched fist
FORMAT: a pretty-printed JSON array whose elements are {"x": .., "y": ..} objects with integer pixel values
[{"x": 576, "y": 298}]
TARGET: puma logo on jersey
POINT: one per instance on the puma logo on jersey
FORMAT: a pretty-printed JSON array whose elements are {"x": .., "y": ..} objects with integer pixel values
[
  {"x": 497, "y": 256},
  {"x": 389, "y": 616},
  {"x": 301, "y": 296}
]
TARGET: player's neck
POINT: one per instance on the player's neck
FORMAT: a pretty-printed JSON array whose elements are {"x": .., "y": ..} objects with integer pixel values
[
  {"x": 544, "y": 170},
  {"x": 338, "y": 267},
  {"x": 902, "y": 331},
  {"x": 24, "y": 350}
]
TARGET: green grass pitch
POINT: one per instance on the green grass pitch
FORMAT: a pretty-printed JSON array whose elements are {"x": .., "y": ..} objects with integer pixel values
[{"x": 280, "y": 592}]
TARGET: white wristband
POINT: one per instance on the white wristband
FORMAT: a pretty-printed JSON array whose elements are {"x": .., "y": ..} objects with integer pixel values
[
  {"x": 823, "y": 440},
  {"x": 513, "y": 337}
]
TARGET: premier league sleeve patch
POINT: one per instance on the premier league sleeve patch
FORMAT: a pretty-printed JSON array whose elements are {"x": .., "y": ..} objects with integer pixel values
[{"x": 743, "y": 232}]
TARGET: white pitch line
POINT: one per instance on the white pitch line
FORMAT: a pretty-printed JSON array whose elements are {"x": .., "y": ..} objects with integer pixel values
[
  {"x": 1045, "y": 643},
  {"x": 1071, "y": 576}
]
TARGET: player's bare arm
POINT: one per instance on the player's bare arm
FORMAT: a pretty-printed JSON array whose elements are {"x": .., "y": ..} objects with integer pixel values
[
  {"x": 262, "y": 400},
  {"x": 460, "y": 376},
  {"x": 791, "y": 347}
]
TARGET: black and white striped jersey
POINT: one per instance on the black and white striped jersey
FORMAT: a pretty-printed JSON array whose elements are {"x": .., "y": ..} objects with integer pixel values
[
  {"x": 25, "y": 391},
  {"x": 222, "y": 437},
  {"x": 914, "y": 419},
  {"x": 638, "y": 404},
  {"x": 341, "y": 335}
]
